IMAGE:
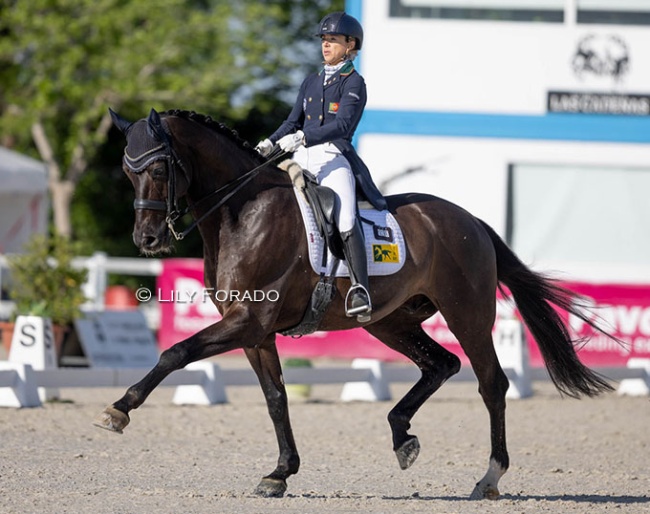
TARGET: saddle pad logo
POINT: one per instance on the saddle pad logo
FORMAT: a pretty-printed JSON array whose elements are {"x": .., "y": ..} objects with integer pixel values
[
  {"x": 333, "y": 108},
  {"x": 385, "y": 253}
]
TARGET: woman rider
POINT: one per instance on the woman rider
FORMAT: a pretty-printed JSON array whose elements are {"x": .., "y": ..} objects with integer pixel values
[{"x": 319, "y": 130}]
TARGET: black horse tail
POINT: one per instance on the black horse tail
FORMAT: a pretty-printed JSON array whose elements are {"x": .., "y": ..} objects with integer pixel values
[{"x": 535, "y": 295}]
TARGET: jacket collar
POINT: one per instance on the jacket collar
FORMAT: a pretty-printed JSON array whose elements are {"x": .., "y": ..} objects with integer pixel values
[{"x": 345, "y": 70}]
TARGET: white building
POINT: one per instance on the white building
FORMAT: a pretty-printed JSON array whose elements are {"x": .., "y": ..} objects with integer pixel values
[{"x": 532, "y": 114}]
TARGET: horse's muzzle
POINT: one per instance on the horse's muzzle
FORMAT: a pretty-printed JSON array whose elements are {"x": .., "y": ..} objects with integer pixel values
[{"x": 151, "y": 243}]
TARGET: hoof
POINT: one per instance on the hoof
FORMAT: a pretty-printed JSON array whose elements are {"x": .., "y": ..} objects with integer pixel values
[
  {"x": 112, "y": 419},
  {"x": 271, "y": 488},
  {"x": 408, "y": 452},
  {"x": 484, "y": 493}
]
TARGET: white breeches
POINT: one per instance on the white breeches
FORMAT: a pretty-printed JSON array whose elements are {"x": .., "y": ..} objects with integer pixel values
[{"x": 334, "y": 171}]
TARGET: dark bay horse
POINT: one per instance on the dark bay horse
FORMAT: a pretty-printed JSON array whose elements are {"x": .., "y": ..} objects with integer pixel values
[{"x": 254, "y": 240}]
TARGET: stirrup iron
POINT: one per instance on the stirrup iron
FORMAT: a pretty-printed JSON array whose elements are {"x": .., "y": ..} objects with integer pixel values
[{"x": 362, "y": 312}]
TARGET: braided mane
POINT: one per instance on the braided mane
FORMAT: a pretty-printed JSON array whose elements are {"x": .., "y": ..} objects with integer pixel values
[{"x": 214, "y": 125}]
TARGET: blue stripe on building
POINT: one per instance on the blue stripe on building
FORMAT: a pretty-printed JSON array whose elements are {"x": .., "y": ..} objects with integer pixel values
[
  {"x": 353, "y": 8},
  {"x": 562, "y": 127}
]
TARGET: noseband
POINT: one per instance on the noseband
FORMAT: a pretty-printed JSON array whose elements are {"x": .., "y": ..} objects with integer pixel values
[{"x": 165, "y": 151}]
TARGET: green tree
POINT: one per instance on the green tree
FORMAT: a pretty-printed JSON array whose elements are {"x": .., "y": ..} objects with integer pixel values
[{"x": 64, "y": 62}]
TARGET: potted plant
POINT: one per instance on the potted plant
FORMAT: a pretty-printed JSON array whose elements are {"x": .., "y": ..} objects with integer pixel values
[
  {"x": 298, "y": 391},
  {"x": 45, "y": 283}
]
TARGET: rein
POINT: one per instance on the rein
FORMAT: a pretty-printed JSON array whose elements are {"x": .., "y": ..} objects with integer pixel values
[
  {"x": 170, "y": 206},
  {"x": 236, "y": 184}
]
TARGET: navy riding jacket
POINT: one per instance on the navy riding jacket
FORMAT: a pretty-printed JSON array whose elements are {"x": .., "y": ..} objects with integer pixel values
[{"x": 330, "y": 112}]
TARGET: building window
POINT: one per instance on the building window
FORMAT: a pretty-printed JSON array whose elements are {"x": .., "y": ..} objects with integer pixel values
[
  {"x": 614, "y": 12},
  {"x": 547, "y": 11},
  {"x": 579, "y": 214}
]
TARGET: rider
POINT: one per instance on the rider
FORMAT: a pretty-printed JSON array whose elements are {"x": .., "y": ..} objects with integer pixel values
[{"x": 319, "y": 130}]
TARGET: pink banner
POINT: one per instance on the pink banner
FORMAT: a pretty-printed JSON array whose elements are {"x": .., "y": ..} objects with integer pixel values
[
  {"x": 184, "y": 309},
  {"x": 623, "y": 310}
]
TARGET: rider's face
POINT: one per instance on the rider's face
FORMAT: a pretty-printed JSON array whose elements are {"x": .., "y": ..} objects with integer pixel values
[{"x": 334, "y": 47}]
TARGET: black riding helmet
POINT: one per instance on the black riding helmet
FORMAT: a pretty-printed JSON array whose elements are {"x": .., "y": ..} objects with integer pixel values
[{"x": 344, "y": 24}]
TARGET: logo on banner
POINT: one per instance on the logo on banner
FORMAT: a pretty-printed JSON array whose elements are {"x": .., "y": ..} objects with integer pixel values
[
  {"x": 601, "y": 56},
  {"x": 599, "y": 59},
  {"x": 597, "y": 103}
]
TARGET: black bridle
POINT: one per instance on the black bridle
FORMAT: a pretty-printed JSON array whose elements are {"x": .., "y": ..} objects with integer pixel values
[{"x": 165, "y": 151}]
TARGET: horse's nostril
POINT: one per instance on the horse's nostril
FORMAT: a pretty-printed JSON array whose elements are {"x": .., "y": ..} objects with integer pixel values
[{"x": 149, "y": 241}]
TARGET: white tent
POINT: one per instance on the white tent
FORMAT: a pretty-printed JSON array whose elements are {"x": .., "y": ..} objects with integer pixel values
[{"x": 23, "y": 199}]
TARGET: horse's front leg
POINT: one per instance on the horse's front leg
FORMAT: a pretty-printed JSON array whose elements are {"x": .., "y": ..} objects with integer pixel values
[
  {"x": 223, "y": 336},
  {"x": 266, "y": 363}
]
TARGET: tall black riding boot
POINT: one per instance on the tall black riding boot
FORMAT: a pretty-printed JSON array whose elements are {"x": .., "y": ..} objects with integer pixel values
[{"x": 357, "y": 301}]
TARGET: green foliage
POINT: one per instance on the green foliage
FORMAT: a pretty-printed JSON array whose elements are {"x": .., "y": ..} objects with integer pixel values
[
  {"x": 297, "y": 362},
  {"x": 67, "y": 61},
  {"x": 44, "y": 282},
  {"x": 63, "y": 63},
  {"x": 298, "y": 391}
]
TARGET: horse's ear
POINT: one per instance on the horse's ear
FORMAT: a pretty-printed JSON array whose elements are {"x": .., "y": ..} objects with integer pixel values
[
  {"x": 122, "y": 124},
  {"x": 154, "y": 125}
]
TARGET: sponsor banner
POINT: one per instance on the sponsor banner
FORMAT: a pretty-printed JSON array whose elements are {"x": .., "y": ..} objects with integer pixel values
[
  {"x": 623, "y": 310},
  {"x": 184, "y": 309},
  {"x": 597, "y": 103}
]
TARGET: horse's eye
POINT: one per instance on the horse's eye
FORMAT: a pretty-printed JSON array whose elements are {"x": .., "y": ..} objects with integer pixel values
[{"x": 159, "y": 172}]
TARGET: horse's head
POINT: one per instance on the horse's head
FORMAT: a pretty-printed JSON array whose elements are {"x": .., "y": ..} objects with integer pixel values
[{"x": 154, "y": 169}]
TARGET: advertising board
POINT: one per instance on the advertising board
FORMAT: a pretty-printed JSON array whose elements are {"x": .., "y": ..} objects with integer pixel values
[{"x": 622, "y": 310}]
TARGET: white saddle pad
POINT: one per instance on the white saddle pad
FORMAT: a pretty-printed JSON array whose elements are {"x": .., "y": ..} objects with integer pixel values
[{"x": 385, "y": 248}]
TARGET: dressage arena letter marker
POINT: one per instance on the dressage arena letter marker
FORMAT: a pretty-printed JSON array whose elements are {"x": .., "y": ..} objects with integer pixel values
[
  {"x": 33, "y": 344},
  {"x": 512, "y": 351}
]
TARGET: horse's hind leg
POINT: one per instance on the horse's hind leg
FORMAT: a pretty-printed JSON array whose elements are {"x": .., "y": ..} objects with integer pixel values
[
  {"x": 403, "y": 333},
  {"x": 266, "y": 364},
  {"x": 493, "y": 385}
]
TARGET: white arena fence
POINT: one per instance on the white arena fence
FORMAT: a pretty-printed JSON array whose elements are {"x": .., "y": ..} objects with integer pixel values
[
  {"x": 99, "y": 266},
  {"x": 205, "y": 383}
]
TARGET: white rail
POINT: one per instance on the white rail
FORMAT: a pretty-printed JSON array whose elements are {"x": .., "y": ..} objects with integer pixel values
[
  {"x": 99, "y": 266},
  {"x": 204, "y": 382}
]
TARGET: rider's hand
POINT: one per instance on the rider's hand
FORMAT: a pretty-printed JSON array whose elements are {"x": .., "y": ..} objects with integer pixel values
[
  {"x": 264, "y": 147},
  {"x": 292, "y": 142}
]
